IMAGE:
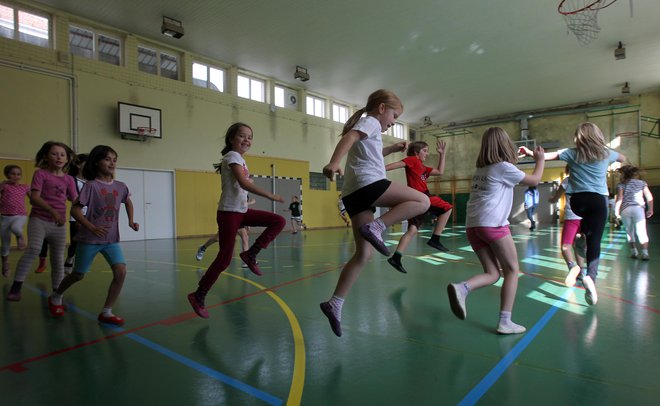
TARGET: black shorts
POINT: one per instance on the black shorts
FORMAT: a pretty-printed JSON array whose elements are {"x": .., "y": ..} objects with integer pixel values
[{"x": 364, "y": 198}]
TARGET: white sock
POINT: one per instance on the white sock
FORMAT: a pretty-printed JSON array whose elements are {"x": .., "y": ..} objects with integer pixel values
[
  {"x": 56, "y": 299},
  {"x": 378, "y": 226},
  {"x": 336, "y": 303},
  {"x": 107, "y": 311},
  {"x": 645, "y": 251},
  {"x": 505, "y": 317}
]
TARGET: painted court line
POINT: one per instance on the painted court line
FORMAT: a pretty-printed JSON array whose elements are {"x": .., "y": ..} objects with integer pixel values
[
  {"x": 252, "y": 391},
  {"x": 489, "y": 380}
]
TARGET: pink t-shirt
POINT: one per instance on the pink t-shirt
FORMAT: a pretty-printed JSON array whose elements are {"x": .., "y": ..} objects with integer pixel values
[
  {"x": 12, "y": 202},
  {"x": 55, "y": 190},
  {"x": 103, "y": 201}
]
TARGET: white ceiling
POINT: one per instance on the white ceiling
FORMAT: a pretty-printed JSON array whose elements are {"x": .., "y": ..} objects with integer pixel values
[{"x": 452, "y": 60}]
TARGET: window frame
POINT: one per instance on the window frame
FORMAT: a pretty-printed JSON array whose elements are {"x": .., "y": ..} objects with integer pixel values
[
  {"x": 16, "y": 22},
  {"x": 159, "y": 60},
  {"x": 339, "y": 106},
  {"x": 251, "y": 80},
  {"x": 208, "y": 82},
  {"x": 314, "y": 99},
  {"x": 96, "y": 36}
]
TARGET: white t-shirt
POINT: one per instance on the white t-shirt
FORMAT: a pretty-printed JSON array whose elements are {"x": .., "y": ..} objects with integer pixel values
[
  {"x": 491, "y": 195},
  {"x": 568, "y": 213},
  {"x": 364, "y": 164},
  {"x": 233, "y": 197}
]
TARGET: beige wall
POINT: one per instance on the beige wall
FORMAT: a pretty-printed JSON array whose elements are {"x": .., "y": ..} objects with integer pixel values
[{"x": 55, "y": 95}]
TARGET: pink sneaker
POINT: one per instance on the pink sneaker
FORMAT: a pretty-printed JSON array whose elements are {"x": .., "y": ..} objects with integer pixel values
[
  {"x": 116, "y": 320},
  {"x": 251, "y": 262},
  {"x": 56, "y": 311},
  {"x": 198, "y": 306},
  {"x": 374, "y": 238}
]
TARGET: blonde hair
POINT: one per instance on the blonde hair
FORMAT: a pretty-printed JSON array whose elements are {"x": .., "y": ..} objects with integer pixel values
[
  {"x": 380, "y": 96},
  {"x": 496, "y": 146},
  {"x": 590, "y": 143}
]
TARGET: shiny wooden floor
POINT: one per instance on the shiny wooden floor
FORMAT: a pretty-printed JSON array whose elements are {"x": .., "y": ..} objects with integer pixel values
[{"x": 267, "y": 342}]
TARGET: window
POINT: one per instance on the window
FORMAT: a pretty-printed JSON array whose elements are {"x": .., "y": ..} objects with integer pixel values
[
  {"x": 157, "y": 62},
  {"x": 285, "y": 97},
  {"x": 397, "y": 131},
  {"x": 315, "y": 106},
  {"x": 88, "y": 44},
  {"x": 24, "y": 26},
  {"x": 251, "y": 88},
  {"x": 208, "y": 77},
  {"x": 318, "y": 181},
  {"x": 339, "y": 113}
]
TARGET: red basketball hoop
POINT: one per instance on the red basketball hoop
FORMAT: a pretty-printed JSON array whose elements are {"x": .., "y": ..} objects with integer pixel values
[
  {"x": 582, "y": 17},
  {"x": 567, "y": 7}
]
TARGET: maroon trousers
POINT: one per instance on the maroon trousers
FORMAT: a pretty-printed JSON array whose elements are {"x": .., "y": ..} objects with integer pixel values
[{"x": 228, "y": 224}]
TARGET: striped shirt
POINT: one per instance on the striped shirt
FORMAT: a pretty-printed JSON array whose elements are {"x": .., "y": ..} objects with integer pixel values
[{"x": 633, "y": 193}]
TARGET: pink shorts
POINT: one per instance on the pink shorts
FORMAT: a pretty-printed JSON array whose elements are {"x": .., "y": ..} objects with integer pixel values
[
  {"x": 568, "y": 232},
  {"x": 480, "y": 237}
]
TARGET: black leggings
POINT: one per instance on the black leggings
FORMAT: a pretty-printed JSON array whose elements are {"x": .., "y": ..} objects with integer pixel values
[{"x": 592, "y": 207}]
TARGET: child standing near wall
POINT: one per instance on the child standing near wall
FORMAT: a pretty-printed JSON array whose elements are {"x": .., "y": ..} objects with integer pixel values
[
  {"x": 296, "y": 215},
  {"x": 234, "y": 212},
  {"x": 631, "y": 208},
  {"x": 50, "y": 189},
  {"x": 13, "y": 211},
  {"x": 366, "y": 186},
  {"x": 102, "y": 195},
  {"x": 488, "y": 209},
  {"x": 588, "y": 163},
  {"x": 416, "y": 176}
]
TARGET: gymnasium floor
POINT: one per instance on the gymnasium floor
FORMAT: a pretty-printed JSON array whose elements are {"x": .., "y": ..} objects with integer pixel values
[{"x": 267, "y": 342}]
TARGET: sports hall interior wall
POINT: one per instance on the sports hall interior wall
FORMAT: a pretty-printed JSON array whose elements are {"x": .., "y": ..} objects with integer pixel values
[{"x": 57, "y": 95}]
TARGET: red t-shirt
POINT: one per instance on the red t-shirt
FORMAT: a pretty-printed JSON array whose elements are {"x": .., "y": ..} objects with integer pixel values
[{"x": 417, "y": 173}]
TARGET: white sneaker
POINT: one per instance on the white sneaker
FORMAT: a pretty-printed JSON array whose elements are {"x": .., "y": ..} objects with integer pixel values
[
  {"x": 457, "y": 300},
  {"x": 645, "y": 256},
  {"x": 590, "y": 293},
  {"x": 511, "y": 328},
  {"x": 572, "y": 275},
  {"x": 200, "y": 253}
]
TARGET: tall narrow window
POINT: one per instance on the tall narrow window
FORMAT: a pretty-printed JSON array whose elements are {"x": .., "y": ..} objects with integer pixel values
[
  {"x": 339, "y": 113},
  {"x": 285, "y": 97}
]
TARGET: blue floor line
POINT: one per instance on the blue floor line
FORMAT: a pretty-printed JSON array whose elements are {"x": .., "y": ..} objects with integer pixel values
[
  {"x": 489, "y": 380},
  {"x": 270, "y": 399}
]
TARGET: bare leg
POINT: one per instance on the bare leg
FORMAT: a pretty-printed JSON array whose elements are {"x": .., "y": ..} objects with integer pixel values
[
  {"x": 405, "y": 203},
  {"x": 242, "y": 232},
  {"x": 118, "y": 276},
  {"x": 441, "y": 222},
  {"x": 362, "y": 255}
]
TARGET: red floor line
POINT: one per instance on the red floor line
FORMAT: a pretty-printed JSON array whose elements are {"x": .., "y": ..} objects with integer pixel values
[{"x": 20, "y": 365}]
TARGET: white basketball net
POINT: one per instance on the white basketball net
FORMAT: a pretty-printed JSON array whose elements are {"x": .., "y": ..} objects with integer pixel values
[{"x": 583, "y": 24}]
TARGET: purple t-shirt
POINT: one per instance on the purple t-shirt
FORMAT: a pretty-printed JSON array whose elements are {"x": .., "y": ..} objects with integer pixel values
[
  {"x": 54, "y": 190},
  {"x": 103, "y": 201}
]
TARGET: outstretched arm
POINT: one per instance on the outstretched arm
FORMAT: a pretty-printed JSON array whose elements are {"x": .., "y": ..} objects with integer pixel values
[
  {"x": 535, "y": 177},
  {"x": 399, "y": 146},
  {"x": 395, "y": 165},
  {"x": 548, "y": 156}
]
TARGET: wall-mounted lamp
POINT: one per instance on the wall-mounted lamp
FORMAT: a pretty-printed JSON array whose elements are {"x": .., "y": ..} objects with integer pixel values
[
  {"x": 620, "y": 52},
  {"x": 301, "y": 74},
  {"x": 625, "y": 89},
  {"x": 172, "y": 28}
]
